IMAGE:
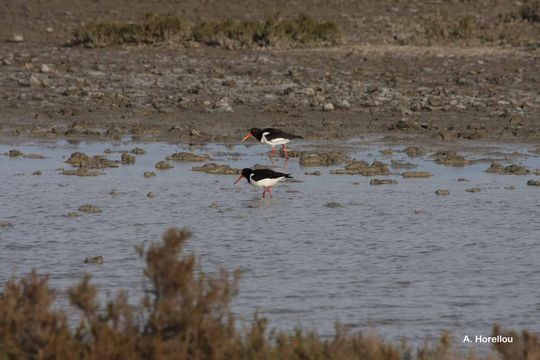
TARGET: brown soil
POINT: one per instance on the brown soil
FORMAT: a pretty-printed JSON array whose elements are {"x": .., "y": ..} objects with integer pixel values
[{"x": 443, "y": 70}]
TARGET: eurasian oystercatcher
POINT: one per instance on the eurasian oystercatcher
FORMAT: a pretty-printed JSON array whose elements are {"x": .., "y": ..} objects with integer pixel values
[
  {"x": 272, "y": 137},
  {"x": 264, "y": 178}
]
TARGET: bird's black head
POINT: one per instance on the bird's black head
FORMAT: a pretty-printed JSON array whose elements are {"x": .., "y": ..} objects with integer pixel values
[
  {"x": 247, "y": 172},
  {"x": 257, "y": 133}
]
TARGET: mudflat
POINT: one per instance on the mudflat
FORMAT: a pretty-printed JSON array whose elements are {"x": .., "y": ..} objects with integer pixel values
[{"x": 437, "y": 70}]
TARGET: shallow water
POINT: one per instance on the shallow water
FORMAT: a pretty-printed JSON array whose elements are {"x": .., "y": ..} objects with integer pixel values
[{"x": 463, "y": 263}]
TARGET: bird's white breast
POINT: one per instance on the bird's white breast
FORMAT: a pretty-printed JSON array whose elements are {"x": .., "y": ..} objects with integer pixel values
[{"x": 266, "y": 182}]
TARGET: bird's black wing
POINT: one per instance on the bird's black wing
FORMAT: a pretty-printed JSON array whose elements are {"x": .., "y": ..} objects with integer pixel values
[
  {"x": 277, "y": 133},
  {"x": 260, "y": 174}
]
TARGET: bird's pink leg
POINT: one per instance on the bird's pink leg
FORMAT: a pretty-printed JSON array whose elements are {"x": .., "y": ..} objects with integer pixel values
[
  {"x": 273, "y": 152},
  {"x": 284, "y": 148},
  {"x": 264, "y": 193},
  {"x": 270, "y": 191}
]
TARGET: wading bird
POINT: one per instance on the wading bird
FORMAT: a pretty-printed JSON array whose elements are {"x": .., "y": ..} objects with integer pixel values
[
  {"x": 264, "y": 178},
  {"x": 272, "y": 137}
]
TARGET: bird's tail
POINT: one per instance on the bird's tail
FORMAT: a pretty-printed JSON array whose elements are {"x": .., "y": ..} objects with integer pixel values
[{"x": 288, "y": 176}]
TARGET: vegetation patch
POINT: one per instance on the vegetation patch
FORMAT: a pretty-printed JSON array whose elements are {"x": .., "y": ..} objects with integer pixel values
[
  {"x": 152, "y": 30},
  {"x": 302, "y": 31},
  {"x": 185, "y": 314},
  {"x": 530, "y": 10}
]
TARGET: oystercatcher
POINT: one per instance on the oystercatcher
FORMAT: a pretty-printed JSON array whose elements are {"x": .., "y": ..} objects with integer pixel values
[
  {"x": 272, "y": 137},
  {"x": 264, "y": 178}
]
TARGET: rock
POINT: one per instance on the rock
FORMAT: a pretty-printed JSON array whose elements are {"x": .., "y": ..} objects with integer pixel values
[
  {"x": 149, "y": 174},
  {"x": 473, "y": 190},
  {"x": 462, "y": 179},
  {"x": 114, "y": 132},
  {"x": 113, "y": 192},
  {"x": 416, "y": 174},
  {"x": 223, "y": 105},
  {"x": 328, "y": 107},
  {"x": 90, "y": 209},
  {"x": 94, "y": 260},
  {"x": 314, "y": 173},
  {"x": 450, "y": 158},
  {"x": 84, "y": 161},
  {"x": 5, "y": 224},
  {"x": 213, "y": 205},
  {"x": 334, "y": 205},
  {"x": 34, "y": 156},
  {"x": 17, "y": 38},
  {"x": 414, "y": 151},
  {"x": 448, "y": 135},
  {"x": 151, "y": 195},
  {"x": 82, "y": 172},
  {"x": 382, "y": 182},
  {"x": 321, "y": 158},
  {"x": 419, "y": 211},
  {"x": 442, "y": 192},
  {"x": 15, "y": 153},
  {"x": 386, "y": 152},
  {"x": 511, "y": 187},
  {"x": 533, "y": 182},
  {"x": 73, "y": 214},
  {"x": 138, "y": 151},
  {"x": 33, "y": 80},
  {"x": 514, "y": 169},
  {"x": 45, "y": 68},
  {"x": 187, "y": 156},
  {"x": 162, "y": 165},
  {"x": 37, "y": 173},
  {"x": 363, "y": 168},
  {"x": 402, "y": 165},
  {"x": 127, "y": 159},
  {"x": 213, "y": 168},
  {"x": 343, "y": 104}
]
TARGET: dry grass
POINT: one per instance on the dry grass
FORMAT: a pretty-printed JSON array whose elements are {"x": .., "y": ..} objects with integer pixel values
[
  {"x": 184, "y": 315},
  {"x": 302, "y": 31},
  {"x": 530, "y": 10}
]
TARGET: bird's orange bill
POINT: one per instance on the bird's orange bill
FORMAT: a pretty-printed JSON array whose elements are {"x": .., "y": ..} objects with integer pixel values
[
  {"x": 246, "y": 137},
  {"x": 239, "y": 178}
]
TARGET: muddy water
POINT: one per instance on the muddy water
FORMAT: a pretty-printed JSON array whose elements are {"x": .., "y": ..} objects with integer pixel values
[{"x": 395, "y": 257}]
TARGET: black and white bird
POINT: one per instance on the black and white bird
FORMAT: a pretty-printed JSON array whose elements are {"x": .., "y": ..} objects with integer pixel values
[
  {"x": 272, "y": 137},
  {"x": 264, "y": 178}
]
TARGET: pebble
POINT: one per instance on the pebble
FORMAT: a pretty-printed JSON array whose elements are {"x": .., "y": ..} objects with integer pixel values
[
  {"x": 89, "y": 209},
  {"x": 382, "y": 182},
  {"x": 416, "y": 174},
  {"x": 473, "y": 190},
  {"x": 138, "y": 151},
  {"x": 442, "y": 192},
  {"x": 149, "y": 174},
  {"x": 45, "y": 68},
  {"x": 333, "y": 205},
  {"x": 94, "y": 260},
  {"x": 328, "y": 107},
  {"x": 127, "y": 159},
  {"x": 37, "y": 172},
  {"x": 150, "y": 194},
  {"x": 533, "y": 182},
  {"x": 162, "y": 165},
  {"x": 18, "y": 38}
]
